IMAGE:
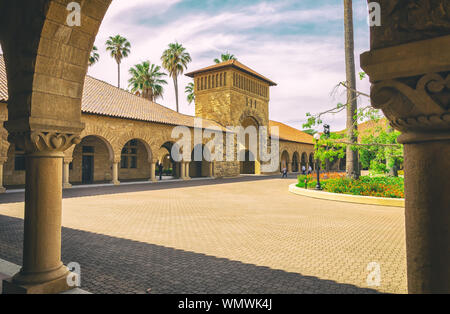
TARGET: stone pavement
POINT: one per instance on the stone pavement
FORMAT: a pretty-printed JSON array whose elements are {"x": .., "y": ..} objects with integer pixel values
[{"x": 240, "y": 237}]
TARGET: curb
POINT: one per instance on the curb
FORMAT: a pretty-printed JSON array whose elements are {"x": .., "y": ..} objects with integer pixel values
[{"x": 367, "y": 200}]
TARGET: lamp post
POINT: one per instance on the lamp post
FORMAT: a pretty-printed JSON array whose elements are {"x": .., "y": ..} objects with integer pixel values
[{"x": 318, "y": 187}]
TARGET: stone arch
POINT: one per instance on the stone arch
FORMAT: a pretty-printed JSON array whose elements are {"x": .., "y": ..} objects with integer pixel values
[
  {"x": 284, "y": 159},
  {"x": 142, "y": 138},
  {"x": 201, "y": 168},
  {"x": 55, "y": 54},
  {"x": 295, "y": 162},
  {"x": 92, "y": 160}
]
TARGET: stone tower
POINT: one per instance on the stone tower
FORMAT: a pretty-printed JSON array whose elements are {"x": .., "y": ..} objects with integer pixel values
[{"x": 229, "y": 93}]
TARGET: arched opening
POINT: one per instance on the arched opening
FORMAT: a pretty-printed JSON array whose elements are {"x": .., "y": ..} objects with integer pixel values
[
  {"x": 304, "y": 162},
  {"x": 170, "y": 168},
  {"x": 248, "y": 165},
  {"x": 295, "y": 162},
  {"x": 311, "y": 162},
  {"x": 284, "y": 160},
  {"x": 92, "y": 161},
  {"x": 135, "y": 158},
  {"x": 247, "y": 150},
  {"x": 203, "y": 168}
]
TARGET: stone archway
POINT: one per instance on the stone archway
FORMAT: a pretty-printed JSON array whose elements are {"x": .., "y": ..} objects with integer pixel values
[
  {"x": 136, "y": 160},
  {"x": 200, "y": 168},
  {"x": 91, "y": 161},
  {"x": 295, "y": 162},
  {"x": 248, "y": 146},
  {"x": 285, "y": 161}
]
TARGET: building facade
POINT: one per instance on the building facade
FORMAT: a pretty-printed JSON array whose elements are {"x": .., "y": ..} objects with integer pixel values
[{"x": 126, "y": 136}]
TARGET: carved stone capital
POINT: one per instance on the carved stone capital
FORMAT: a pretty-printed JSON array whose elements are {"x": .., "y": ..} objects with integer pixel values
[
  {"x": 417, "y": 105},
  {"x": 44, "y": 143}
]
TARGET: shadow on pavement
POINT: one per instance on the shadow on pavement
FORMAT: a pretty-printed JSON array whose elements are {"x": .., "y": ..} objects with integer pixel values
[{"x": 115, "y": 265}]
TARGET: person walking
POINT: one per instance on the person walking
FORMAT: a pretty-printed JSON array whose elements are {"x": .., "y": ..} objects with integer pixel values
[
  {"x": 284, "y": 173},
  {"x": 160, "y": 168},
  {"x": 303, "y": 170},
  {"x": 310, "y": 169}
]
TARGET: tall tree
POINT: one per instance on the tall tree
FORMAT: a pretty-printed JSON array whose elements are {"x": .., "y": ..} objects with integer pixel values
[
  {"x": 94, "y": 57},
  {"x": 119, "y": 47},
  {"x": 352, "y": 103},
  {"x": 147, "y": 79},
  {"x": 175, "y": 60},
  {"x": 190, "y": 94},
  {"x": 225, "y": 57}
]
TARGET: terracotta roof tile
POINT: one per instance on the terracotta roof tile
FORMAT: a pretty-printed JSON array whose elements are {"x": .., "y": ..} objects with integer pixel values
[
  {"x": 288, "y": 133},
  {"x": 235, "y": 64}
]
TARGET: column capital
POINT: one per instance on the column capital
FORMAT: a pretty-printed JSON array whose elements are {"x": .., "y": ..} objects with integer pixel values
[
  {"x": 44, "y": 143},
  {"x": 411, "y": 85}
]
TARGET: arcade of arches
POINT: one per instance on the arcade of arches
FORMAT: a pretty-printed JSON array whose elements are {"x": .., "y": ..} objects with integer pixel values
[{"x": 52, "y": 109}]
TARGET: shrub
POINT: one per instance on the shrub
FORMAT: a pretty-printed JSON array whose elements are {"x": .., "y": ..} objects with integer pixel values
[{"x": 390, "y": 187}]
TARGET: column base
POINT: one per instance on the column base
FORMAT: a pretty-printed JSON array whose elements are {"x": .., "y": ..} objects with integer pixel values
[
  {"x": 186, "y": 178},
  {"x": 115, "y": 182},
  {"x": 2, "y": 190},
  {"x": 67, "y": 185},
  {"x": 153, "y": 180},
  {"x": 51, "y": 287}
]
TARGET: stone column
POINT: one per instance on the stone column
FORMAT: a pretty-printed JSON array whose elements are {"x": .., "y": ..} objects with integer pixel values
[
  {"x": 115, "y": 172},
  {"x": 411, "y": 84},
  {"x": 153, "y": 171},
  {"x": 186, "y": 171},
  {"x": 66, "y": 172},
  {"x": 211, "y": 169},
  {"x": 183, "y": 171},
  {"x": 42, "y": 270},
  {"x": 289, "y": 166},
  {"x": 2, "y": 162}
]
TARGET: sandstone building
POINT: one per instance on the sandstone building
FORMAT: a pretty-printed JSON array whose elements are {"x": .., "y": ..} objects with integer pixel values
[{"x": 125, "y": 135}]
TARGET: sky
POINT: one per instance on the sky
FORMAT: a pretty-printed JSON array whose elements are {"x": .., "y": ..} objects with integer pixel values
[{"x": 299, "y": 44}]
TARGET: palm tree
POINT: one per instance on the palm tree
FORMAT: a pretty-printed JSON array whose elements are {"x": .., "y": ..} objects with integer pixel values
[
  {"x": 147, "y": 80},
  {"x": 94, "y": 57},
  {"x": 119, "y": 48},
  {"x": 352, "y": 104},
  {"x": 175, "y": 60},
  {"x": 189, "y": 90},
  {"x": 225, "y": 57}
]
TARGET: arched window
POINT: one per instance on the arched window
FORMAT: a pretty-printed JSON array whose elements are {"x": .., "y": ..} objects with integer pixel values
[
  {"x": 217, "y": 80},
  {"x": 129, "y": 155},
  {"x": 225, "y": 79},
  {"x": 212, "y": 79},
  {"x": 221, "y": 80}
]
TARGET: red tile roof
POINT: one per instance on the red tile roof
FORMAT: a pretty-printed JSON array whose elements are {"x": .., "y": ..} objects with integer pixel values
[{"x": 233, "y": 64}]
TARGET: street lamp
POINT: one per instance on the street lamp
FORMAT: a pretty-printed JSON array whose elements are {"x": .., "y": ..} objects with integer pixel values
[{"x": 318, "y": 187}]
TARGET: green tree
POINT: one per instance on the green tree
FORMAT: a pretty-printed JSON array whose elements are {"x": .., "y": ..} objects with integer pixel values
[
  {"x": 94, "y": 57},
  {"x": 190, "y": 94},
  {"x": 175, "y": 60},
  {"x": 119, "y": 48},
  {"x": 147, "y": 79},
  {"x": 225, "y": 57}
]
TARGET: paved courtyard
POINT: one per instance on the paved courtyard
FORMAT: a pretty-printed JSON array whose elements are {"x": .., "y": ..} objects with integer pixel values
[{"x": 226, "y": 236}]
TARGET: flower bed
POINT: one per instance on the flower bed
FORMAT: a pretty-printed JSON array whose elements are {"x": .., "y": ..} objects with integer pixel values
[{"x": 365, "y": 186}]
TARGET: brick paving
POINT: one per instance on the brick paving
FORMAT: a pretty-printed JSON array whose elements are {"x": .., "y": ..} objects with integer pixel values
[{"x": 240, "y": 237}]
